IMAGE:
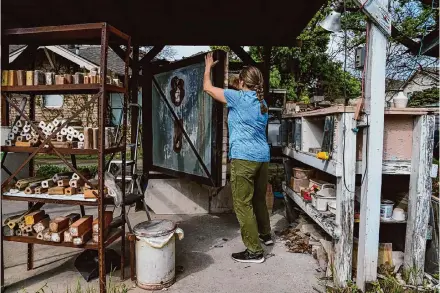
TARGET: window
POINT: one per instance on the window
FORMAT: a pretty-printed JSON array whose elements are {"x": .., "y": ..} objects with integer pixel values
[{"x": 53, "y": 101}]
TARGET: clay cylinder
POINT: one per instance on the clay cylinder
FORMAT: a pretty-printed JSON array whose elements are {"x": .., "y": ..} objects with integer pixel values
[
  {"x": 50, "y": 78},
  {"x": 21, "y": 77},
  {"x": 29, "y": 78},
  {"x": 78, "y": 78},
  {"x": 68, "y": 78},
  {"x": 12, "y": 79}
]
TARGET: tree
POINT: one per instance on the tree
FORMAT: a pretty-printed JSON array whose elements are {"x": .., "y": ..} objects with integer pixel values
[
  {"x": 412, "y": 19},
  {"x": 307, "y": 70}
]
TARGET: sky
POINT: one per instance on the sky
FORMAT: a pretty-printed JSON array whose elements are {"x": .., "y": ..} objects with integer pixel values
[{"x": 186, "y": 51}]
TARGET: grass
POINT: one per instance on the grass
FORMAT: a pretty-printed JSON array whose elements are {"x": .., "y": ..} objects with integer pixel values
[
  {"x": 388, "y": 282},
  {"x": 112, "y": 287}
]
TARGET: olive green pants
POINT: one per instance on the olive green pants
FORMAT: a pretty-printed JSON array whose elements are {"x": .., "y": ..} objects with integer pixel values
[{"x": 249, "y": 183}]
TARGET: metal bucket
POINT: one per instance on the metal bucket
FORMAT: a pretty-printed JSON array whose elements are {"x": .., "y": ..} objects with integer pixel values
[{"x": 155, "y": 254}]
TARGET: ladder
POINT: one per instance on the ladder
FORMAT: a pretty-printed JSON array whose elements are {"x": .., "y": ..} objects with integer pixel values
[{"x": 133, "y": 189}]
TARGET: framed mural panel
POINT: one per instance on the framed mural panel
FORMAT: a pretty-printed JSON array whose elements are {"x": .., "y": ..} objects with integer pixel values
[{"x": 187, "y": 124}]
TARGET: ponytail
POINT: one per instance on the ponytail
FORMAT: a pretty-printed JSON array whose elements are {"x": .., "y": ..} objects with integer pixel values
[
  {"x": 260, "y": 96},
  {"x": 253, "y": 79}
]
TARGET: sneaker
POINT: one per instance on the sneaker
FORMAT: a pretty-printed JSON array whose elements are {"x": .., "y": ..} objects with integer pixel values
[
  {"x": 248, "y": 257},
  {"x": 267, "y": 240}
]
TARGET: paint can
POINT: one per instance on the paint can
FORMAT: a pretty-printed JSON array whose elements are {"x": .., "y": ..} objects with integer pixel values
[{"x": 386, "y": 210}]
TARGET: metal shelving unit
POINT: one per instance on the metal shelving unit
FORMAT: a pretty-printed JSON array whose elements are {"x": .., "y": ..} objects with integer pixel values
[{"x": 96, "y": 33}]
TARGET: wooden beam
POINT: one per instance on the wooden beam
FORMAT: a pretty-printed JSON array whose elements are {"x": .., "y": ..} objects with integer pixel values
[
  {"x": 147, "y": 131},
  {"x": 151, "y": 54},
  {"x": 420, "y": 189},
  {"x": 372, "y": 155},
  {"x": 345, "y": 186},
  {"x": 134, "y": 85},
  {"x": 266, "y": 72},
  {"x": 243, "y": 55},
  {"x": 27, "y": 58},
  {"x": 121, "y": 53}
]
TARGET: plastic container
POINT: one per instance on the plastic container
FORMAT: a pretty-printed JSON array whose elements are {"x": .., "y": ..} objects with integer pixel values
[
  {"x": 321, "y": 202},
  {"x": 332, "y": 207},
  {"x": 399, "y": 214},
  {"x": 317, "y": 182},
  {"x": 386, "y": 210},
  {"x": 302, "y": 173},
  {"x": 156, "y": 254},
  {"x": 400, "y": 101}
]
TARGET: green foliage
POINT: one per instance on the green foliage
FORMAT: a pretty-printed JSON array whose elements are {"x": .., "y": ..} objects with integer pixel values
[
  {"x": 425, "y": 97},
  {"x": 50, "y": 170},
  {"x": 307, "y": 69}
]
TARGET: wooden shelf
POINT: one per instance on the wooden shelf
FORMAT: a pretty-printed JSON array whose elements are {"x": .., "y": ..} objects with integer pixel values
[
  {"x": 55, "y": 199},
  {"x": 112, "y": 237},
  {"x": 390, "y": 167},
  {"x": 322, "y": 112},
  {"x": 331, "y": 167},
  {"x": 326, "y": 222},
  {"x": 61, "y": 89},
  {"x": 64, "y": 151}
]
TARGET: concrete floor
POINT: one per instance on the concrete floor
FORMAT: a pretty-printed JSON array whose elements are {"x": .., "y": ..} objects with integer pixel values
[{"x": 206, "y": 268}]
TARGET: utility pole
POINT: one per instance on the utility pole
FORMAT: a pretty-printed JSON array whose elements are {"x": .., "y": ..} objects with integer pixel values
[{"x": 372, "y": 139}]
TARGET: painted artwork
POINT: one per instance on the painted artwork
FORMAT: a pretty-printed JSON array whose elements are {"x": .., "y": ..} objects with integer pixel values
[{"x": 183, "y": 87}]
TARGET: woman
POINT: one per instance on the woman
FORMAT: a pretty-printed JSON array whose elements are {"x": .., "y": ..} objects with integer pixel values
[{"x": 249, "y": 154}]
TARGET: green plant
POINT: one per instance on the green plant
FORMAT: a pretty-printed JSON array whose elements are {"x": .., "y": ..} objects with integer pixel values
[{"x": 50, "y": 170}]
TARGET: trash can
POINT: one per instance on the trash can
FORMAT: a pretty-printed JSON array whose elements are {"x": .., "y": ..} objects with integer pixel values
[{"x": 156, "y": 253}]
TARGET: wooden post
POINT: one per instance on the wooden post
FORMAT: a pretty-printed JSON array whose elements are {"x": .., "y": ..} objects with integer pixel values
[
  {"x": 4, "y": 121},
  {"x": 372, "y": 155},
  {"x": 147, "y": 131},
  {"x": 266, "y": 72},
  {"x": 102, "y": 110},
  {"x": 345, "y": 186},
  {"x": 420, "y": 188},
  {"x": 134, "y": 96}
]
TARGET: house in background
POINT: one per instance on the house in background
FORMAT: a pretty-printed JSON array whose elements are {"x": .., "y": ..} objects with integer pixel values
[
  {"x": 67, "y": 59},
  {"x": 420, "y": 80}
]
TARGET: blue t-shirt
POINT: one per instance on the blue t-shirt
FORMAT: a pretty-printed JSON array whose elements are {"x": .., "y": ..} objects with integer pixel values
[{"x": 247, "y": 127}]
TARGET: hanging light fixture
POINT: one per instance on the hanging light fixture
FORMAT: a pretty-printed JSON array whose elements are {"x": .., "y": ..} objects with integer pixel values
[{"x": 332, "y": 22}]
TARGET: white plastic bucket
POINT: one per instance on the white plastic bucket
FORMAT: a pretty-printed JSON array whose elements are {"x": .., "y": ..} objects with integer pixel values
[
  {"x": 386, "y": 210},
  {"x": 156, "y": 254}
]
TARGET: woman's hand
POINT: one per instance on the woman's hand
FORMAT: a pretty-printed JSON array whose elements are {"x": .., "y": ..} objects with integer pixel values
[{"x": 209, "y": 61}]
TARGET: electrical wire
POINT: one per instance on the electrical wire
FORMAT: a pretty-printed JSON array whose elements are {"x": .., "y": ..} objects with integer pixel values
[{"x": 345, "y": 103}]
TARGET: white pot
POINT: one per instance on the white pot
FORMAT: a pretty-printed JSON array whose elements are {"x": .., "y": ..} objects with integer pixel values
[{"x": 400, "y": 101}]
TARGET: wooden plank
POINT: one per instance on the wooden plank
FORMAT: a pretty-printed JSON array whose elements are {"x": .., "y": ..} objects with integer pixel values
[
  {"x": 325, "y": 221},
  {"x": 420, "y": 189},
  {"x": 372, "y": 185},
  {"x": 243, "y": 55},
  {"x": 323, "y": 112},
  {"x": 390, "y": 167},
  {"x": 411, "y": 111},
  {"x": 345, "y": 189},
  {"x": 331, "y": 167}
]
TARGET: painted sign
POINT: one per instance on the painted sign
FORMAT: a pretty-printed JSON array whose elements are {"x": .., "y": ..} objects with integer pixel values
[{"x": 197, "y": 112}]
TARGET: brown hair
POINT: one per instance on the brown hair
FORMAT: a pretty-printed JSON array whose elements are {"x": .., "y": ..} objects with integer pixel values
[{"x": 253, "y": 79}]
